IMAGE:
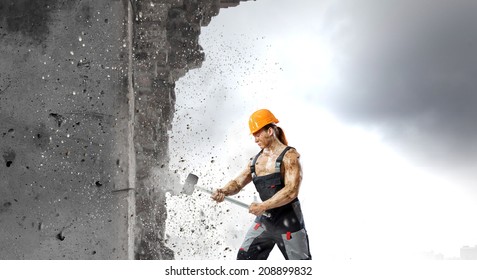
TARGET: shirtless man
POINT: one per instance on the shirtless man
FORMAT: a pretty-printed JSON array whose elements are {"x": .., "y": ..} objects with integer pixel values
[{"x": 276, "y": 173}]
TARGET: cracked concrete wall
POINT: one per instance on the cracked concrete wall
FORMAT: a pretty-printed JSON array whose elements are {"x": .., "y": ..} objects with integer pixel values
[
  {"x": 86, "y": 104},
  {"x": 166, "y": 47}
]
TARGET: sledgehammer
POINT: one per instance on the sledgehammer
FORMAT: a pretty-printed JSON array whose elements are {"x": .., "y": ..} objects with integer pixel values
[{"x": 190, "y": 186}]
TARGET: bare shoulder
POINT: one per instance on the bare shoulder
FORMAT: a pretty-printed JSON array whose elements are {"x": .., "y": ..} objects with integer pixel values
[
  {"x": 292, "y": 167},
  {"x": 291, "y": 156},
  {"x": 291, "y": 161}
]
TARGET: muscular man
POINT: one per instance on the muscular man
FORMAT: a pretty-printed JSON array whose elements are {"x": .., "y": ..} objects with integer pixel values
[{"x": 276, "y": 173}]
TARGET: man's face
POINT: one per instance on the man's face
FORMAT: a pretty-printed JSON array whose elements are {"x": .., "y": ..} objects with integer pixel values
[{"x": 262, "y": 137}]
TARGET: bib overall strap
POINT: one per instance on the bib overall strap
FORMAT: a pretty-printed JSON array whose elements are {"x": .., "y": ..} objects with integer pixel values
[
  {"x": 278, "y": 163},
  {"x": 252, "y": 165}
]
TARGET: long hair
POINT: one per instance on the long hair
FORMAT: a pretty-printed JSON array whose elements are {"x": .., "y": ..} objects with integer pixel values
[{"x": 278, "y": 132}]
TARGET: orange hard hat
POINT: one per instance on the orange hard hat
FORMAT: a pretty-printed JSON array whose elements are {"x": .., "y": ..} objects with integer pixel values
[{"x": 260, "y": 119}]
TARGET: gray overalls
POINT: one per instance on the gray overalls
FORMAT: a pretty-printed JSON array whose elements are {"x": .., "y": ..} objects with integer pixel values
[{"x": 285, "y": 225}]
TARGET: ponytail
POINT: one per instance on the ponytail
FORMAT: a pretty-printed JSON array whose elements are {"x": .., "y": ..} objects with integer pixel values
[{"x": 281, "y": 135}]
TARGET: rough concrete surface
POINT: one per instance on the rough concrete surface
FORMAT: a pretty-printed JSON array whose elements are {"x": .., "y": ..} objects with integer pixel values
[{"x": 63, "y": 110}]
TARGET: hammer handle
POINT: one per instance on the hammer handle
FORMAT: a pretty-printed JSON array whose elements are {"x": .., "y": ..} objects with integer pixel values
[{"x": 234, "y": 201}]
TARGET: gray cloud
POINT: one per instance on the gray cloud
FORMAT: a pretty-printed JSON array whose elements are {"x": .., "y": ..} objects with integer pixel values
[
  {"x": 406, "y": 68},
  {"x": 409, "y": 68}
]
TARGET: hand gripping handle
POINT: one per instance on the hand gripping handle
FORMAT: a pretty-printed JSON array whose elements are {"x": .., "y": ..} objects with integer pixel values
[{"x": 234, "y": 201}]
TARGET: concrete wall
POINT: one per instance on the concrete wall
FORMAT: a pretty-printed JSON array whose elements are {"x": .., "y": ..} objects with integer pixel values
[
  {"x": 63, "y": 132},
  {"x": 165, "y": 48},
  {"x": 86, "y": 102}
]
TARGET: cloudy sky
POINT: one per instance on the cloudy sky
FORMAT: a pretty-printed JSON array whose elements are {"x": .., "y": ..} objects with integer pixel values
[{"x": 377, "y": 96}]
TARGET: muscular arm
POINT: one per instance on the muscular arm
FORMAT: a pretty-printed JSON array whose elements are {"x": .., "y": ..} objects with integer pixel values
[
  {"x": 293, "y": 176},
  {"x": 234, "y": 186}
]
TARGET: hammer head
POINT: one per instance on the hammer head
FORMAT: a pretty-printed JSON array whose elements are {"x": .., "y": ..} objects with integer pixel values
[{"x": 189, "y": 184}]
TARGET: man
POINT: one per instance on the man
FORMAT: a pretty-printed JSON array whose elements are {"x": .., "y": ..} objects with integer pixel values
[{"x": 276, "y": 173}]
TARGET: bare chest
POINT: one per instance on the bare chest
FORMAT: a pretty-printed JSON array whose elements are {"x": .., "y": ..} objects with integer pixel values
[{"x": 265, "y": 164}]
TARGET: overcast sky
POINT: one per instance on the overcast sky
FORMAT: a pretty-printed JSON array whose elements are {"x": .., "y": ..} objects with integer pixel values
[
  {"x": 377, "y": 96},
  {"x": 409, "y": 68}
]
